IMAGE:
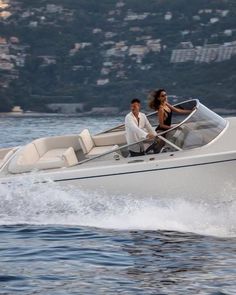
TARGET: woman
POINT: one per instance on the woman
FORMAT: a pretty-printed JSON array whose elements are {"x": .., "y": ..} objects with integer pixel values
[
  {"x": 164, "y": 110},
  {"x": 159, "y": 103}
]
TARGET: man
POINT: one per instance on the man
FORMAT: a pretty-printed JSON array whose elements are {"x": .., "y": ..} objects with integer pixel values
[{"x": 137, "y": 128}]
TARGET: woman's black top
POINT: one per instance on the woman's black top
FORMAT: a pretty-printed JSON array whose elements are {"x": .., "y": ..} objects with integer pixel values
[{"x": 167, "y": 120}]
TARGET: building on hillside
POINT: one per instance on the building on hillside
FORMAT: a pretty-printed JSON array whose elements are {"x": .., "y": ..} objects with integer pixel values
[
  {"x": 14, "y": 40},
  {"x": 101, "y": 82},
  {"x": 228, "y": 32},
  {"x": 4, "y": 14},
  {"x": 131, "y": 16},
  {"x": 214, "y": 20},
  {"x": 207, "y": 53},
  {"x": 204, "y": 54},
  {"x": 138, "y": 50},
  {"x": 154, "y": 45},
  {"x": 78, "y": 47},
  {"x": 168, "y": 16},
  {"x": 3, "y": 4},
  {"x": 225, "y": 53},
  {"x": 185, "y": 45},
  {"x": 97, "y": 30},
  {"x": 6, "y": 65},
  {"x": 4, "y": 49},
  {"x": 182, "y": 55},
  {"x": 33, "y": 24},
  {"x": 120, "y": 4},
  {"x": 17, "y": 109},
  {"x": 3, "y": 41}
]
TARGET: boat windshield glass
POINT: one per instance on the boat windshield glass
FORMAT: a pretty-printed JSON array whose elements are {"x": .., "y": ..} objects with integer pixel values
[{"x": 198, "y": 129}]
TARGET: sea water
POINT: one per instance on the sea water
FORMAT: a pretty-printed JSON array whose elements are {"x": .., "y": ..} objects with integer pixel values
[{"x": 62, "y": 240}]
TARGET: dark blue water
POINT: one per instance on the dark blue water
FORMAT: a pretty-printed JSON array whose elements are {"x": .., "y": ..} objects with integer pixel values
[
  {"x": 60, "y": 240},
  {"x": 81, "y": 260}
]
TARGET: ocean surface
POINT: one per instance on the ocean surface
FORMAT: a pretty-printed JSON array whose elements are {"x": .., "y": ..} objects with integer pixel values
[{"x": 61, "y": 241}]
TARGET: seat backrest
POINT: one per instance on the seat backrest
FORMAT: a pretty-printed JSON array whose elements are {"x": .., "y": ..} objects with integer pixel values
[
  {"x": 110, "y": 138},
  {"x": 69, "y": 157},
  {"x": 24, "y": 157},
  {"x": 28, "y": 155},
  {"x": 86, "y": 141},
  {"x": 46, "y": 144}
]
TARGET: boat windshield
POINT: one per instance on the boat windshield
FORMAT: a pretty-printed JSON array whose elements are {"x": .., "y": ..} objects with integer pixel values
[{"x": 198, "y": 129}]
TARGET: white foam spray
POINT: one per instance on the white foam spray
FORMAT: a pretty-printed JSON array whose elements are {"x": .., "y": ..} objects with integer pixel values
[{"x": 51, "y": 204}]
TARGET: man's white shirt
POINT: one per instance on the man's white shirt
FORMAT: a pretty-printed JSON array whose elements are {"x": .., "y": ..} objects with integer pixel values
[{"x": 137, "y": 131}]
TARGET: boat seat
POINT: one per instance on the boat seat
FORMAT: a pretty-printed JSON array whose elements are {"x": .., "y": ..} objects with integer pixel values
[
  {"x": 110, "y": 138},
  {"x": 93, "y": 146},
  {"x": 46, "y": 153}
]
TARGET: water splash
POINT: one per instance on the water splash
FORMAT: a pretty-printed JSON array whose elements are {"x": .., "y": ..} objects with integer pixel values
[{"x": 50, "y": 204}]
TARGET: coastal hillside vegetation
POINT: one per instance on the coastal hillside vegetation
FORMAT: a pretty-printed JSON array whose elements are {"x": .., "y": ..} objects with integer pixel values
[{"x": 103, "y": 53}]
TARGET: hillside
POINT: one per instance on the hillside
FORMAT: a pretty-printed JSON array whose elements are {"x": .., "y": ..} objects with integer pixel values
[{"x": 103, "y": 53}]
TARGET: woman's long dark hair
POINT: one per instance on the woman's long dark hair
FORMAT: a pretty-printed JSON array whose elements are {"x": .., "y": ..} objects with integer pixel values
[{"x": 154, "y": 102}]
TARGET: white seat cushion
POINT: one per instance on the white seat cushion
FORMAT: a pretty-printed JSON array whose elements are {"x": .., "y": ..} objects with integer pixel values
[
  {"x": 52, "y": 155},
  {"x": 99, "y": 150},
  {"x": 110, "y": 138},
  {"x": 43, "y": 145},
  {"x": 28, "y": 155},
  {"x": 69, "y": 157},
  {"x": 28, "y": 159},
  {"x": 86, "y": 141}
]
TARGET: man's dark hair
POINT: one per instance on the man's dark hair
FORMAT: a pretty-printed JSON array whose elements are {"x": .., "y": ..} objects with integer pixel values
[{"x": 135, "y": 100}]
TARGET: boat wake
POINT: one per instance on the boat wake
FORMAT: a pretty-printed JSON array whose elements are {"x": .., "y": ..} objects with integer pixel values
[{"x": 51, "y": 204}]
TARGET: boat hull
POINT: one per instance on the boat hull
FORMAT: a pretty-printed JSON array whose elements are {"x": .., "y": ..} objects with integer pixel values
[
  {"x": 206, "y": 177},
  {"x": 172, "y": 175},
  {"x": 206, "y": 181}
]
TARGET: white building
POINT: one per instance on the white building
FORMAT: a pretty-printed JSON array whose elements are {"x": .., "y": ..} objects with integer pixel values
[
  {"x": 33, "y": 24},
  {"x": 97, "y": 31},
  {"x": 4, "y": 14},
  {"x": 154, "y": 45},
  {"x": 214, "y": 20},
  {"x": 138, "y": 50},
  {"x": 183, "y": 55},
  {"x": 168, "y": 16},
  {"x": 205, "y": 54},
  {"x": 131, "y": 16},
  {"x": 101, "y": 82},
  {"x": 6, "y": 65},
  {"x": 228, "y": 32}
]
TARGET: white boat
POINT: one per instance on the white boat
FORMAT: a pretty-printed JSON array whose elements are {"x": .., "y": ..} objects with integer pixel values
[{"x": 198, "y": 159}]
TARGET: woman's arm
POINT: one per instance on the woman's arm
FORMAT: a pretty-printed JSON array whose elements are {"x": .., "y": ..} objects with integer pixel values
[{"x": 180, "y": 111}]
